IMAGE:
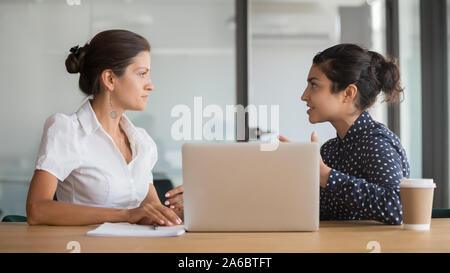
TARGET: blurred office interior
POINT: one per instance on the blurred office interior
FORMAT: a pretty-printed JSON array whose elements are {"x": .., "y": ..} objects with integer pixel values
[{"x": 198, "y": 50}]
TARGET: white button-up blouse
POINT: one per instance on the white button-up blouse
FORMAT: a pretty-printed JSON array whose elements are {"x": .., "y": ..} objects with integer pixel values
[{"x": 90, "y": 168}]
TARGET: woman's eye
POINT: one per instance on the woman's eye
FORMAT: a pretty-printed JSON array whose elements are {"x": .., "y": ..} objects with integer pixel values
[
  {"x": 313, "y": 85},
  {"x": 142, "y": 74}
]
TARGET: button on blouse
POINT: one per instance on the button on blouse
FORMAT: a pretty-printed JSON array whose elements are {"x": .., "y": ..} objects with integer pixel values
[
  {"x": 367, "y": 166},
  {"x": 90, "y": 168}
]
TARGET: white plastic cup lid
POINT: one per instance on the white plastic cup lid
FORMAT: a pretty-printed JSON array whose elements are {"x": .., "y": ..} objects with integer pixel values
[{"x": 417, "y": 183}]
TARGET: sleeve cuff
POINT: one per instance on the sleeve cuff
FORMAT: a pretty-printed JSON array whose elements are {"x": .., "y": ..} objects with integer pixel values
[
  {"x": 335, "y": 180},
  {"x": 58, "y": 169}
]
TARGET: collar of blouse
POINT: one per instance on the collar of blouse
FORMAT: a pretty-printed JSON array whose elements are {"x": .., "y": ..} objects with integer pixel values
[
  {"x": 358, "y": 128},
  {"x": 90, "y": 123}
]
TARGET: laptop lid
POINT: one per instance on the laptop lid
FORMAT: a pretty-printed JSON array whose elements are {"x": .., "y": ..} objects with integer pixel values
[{"x": 238, "y": 187}]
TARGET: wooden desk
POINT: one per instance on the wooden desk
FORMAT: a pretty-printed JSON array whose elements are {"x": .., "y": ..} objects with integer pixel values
[{"x": 333, "y": 236}]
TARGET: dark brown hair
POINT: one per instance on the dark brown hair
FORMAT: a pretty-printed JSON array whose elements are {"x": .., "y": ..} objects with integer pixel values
[
  {"x": 110, "y": 49},
  {"x": 346, "y": 64}
]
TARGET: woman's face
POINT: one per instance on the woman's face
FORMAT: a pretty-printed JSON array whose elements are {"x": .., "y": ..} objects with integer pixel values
[
  {"x": 323, "y": 105},
  {"x": 131, "y": 90}
]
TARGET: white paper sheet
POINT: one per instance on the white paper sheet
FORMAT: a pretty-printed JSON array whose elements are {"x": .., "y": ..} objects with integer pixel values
[{"x": 127, "y": 229}]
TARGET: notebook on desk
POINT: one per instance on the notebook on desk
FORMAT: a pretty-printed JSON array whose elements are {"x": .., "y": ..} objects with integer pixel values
[
  {"x": 238, "y": 187},
  {"x": 127, "y": 230}
]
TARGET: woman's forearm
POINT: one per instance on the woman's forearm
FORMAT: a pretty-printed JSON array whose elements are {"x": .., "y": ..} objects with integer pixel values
[
  {"x": 49, "y": 212},
  {"x": 152, "y": 195}
]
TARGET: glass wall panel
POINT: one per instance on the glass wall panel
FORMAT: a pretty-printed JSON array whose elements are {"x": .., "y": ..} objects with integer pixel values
[
  {"x": 285, "y": 37},
  {"x": 410, "y": 67},
  {"x": 192, "y": 53}
]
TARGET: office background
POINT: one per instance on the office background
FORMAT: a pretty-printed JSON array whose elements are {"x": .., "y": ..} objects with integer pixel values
[{"x": 228, "y": 52}]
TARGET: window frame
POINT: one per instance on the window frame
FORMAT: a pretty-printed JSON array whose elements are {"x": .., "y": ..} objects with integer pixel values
[{"x": 433, "y": 38}]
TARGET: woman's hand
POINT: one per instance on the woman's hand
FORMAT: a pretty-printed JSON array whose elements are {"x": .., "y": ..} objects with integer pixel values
[
  {"x": 175, "y": 200},
  {"x": 153, "y": 213},
  {"x": 324, "y": 169},
  {"x": 283, "y": 139}
]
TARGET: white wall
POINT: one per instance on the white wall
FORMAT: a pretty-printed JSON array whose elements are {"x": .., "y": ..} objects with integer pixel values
[
  {"x": 192, "y": 55},
  {"x": 35, "y": 40}
]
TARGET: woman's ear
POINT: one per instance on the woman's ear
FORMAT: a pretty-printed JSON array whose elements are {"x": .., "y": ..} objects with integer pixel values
[
  {"x": 107, "y": 77},
  {"x": 350, "y": 93}
]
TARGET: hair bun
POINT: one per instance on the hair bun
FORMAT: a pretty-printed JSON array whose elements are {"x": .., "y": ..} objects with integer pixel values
[
  {"x": 74, "y": 61},
  {"x": 387, "y": 76}
]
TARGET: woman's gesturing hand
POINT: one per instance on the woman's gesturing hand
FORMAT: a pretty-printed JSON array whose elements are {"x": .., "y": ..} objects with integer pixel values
[
  {"x": 324, "y": 169},
  {"x": 153, "y": 213},
  {"x": 283, "y": 139},
  {"x": 175, "y": 199}
]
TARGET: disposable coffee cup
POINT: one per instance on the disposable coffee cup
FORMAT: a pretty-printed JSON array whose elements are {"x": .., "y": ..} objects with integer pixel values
[{"x": 417, "y": 202}]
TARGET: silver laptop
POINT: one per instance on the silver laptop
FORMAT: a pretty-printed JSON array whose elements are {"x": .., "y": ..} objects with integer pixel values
[{"x": 238, "y": 187}]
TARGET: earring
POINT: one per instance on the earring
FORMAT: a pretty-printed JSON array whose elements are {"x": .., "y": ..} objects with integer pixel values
[{"x": 113, "y": 113}]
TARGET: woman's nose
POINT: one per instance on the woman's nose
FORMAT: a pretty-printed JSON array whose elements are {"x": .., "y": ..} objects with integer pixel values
[
  {"x": 304, "y": 95},
  {"x": 149, "y": 86}
]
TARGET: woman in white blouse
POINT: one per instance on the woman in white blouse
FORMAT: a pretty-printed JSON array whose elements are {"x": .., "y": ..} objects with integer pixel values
[{"x": 98, "y": 163}]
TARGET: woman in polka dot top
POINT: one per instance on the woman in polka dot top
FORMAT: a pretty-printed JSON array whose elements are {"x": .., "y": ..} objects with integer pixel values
[{"x": 362, "y": 166}]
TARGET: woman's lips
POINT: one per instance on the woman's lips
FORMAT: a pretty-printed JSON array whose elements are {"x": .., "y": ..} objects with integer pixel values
[{"x": 310, "y": 110}]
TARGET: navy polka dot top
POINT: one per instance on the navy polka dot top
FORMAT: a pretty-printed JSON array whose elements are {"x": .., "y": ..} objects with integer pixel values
[{"x": 367, "y": 166}]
